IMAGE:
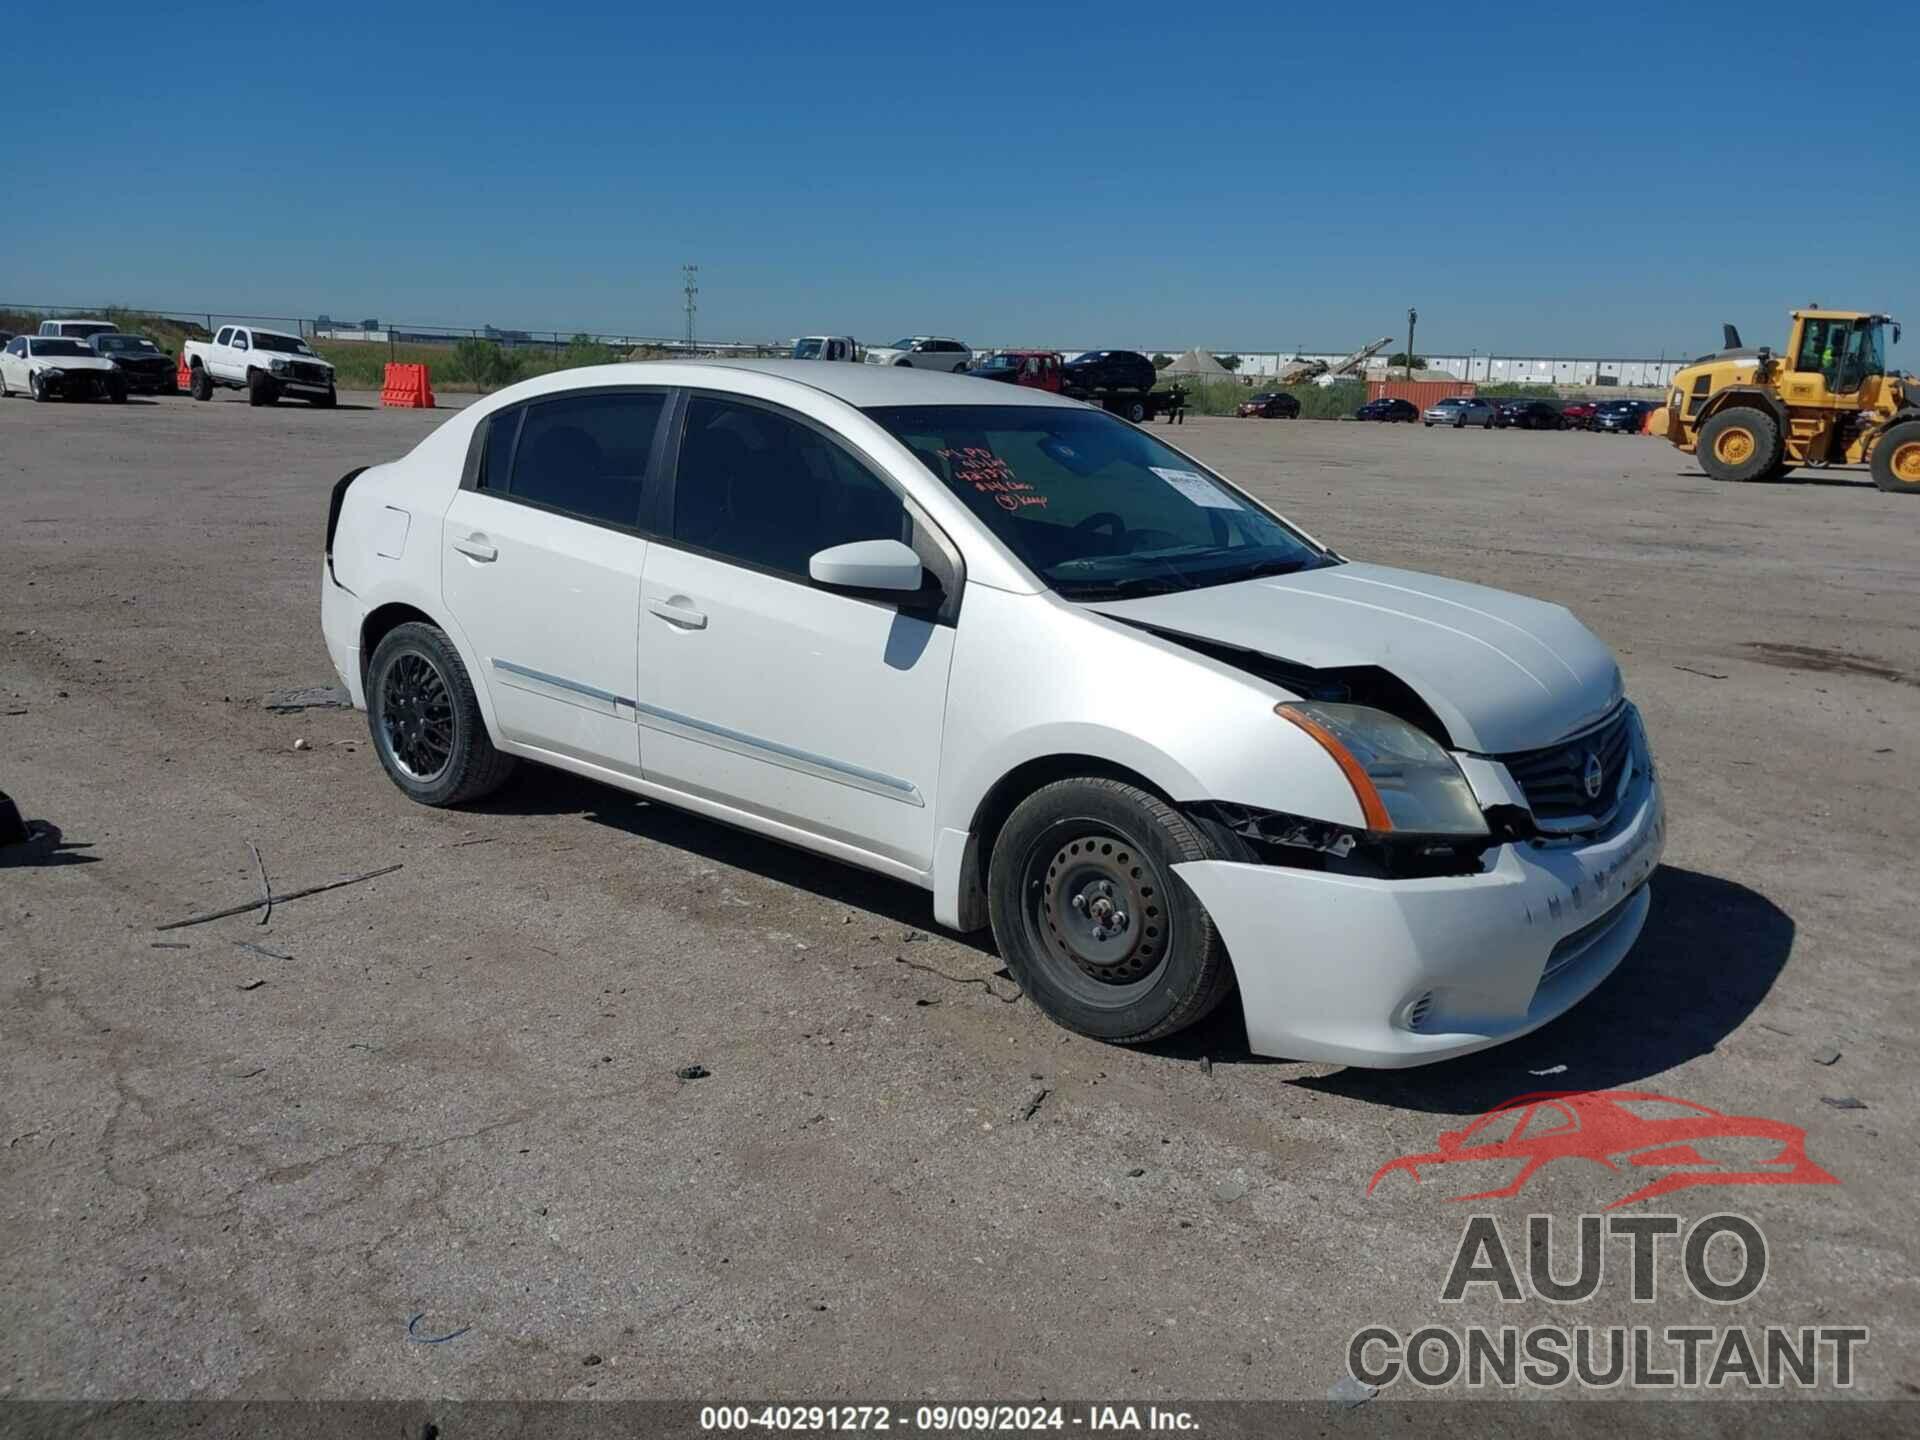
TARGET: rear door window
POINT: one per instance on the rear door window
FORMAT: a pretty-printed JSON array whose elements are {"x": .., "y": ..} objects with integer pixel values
[{"x": 584, "y": 455}]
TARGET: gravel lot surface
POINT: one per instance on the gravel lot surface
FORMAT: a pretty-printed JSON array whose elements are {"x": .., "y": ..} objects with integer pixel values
[{"x": 241, "y": 1159}]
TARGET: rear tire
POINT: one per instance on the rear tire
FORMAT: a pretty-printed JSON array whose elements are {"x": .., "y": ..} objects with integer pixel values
[
  {"x": 1135, "y": 411},
  {"x": 1091, "y": 920},
  {"x": 1739, "y": 444},
  {"x": 1896, "y": 459},
  {"x": 201, "y": 385},
  {"x": 425, "y": 720}
]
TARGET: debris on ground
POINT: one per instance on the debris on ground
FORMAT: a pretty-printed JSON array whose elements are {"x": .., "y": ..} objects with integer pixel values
[
  {"x": 243, "y": 1070},
  {"x": 313, "y": 697},
  {"x": 277, "y": 899},
  {"x": 1349, "y": 1393},
  {"x": 1844, "y": 1102},
  {"x": 413, "y": 1332},
  {"x": 303, "y": 743},
  {"x": 260, "y": 950},
  {"x": 1827, "y": 1055},
  {"x": 693, "y": 1072},
  {"x": 914, "y": 936},
  {"x": 1136, "y": 1172},
  {"x": 169, "y": 945},
  {"x": 250, "y": 984},
  {"x": 1705, "y": 674},
  {"x": 266, "y": 889},
  {"x": 1233, "y": 1188},
  {"x": 1033, "y": 1105},
  {"x": 591, "y": 1360},
  {"x": 1012, "y": 999}
]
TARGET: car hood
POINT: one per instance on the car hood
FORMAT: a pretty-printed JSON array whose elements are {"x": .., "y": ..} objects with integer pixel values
[
  {"x": 70, "y": 362},
  {"x": 1502, "y": 672}
]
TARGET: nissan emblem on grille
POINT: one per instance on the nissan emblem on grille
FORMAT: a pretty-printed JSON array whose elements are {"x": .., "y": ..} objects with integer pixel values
[{"x": 1594, "y": 776}]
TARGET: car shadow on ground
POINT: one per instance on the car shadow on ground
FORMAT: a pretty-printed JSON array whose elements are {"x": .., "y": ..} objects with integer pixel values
[
  {"x": 44, "y": 846},
  {"x": 540, "y": 791}
]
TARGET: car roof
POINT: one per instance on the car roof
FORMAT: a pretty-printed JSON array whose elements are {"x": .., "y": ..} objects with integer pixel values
[{"x": 861, "y": 386}]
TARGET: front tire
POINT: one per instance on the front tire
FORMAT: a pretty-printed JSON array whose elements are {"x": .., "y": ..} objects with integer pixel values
[
  {"x": 260, "y": 388},
  {"x": 1738, "y": 444},
  {"x": 38, "y": 389},
  {"x": 326, "y": 401},
  {"x": 1896, "y": 459},
  {"x": 425, "y": 720},
  {"x": 1091, "y": 919}
]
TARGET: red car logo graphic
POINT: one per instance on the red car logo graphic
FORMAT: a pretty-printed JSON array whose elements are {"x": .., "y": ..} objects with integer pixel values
[{"x": 1633, "y": 1129}]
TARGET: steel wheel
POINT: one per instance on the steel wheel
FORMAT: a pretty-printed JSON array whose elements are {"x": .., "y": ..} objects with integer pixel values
[
  {"x": 416, "y": 717},
  {"x": 1734, "y": 446},
  {"x": 1905, "y": 463},
  {"x": 1097, "y": 906}
]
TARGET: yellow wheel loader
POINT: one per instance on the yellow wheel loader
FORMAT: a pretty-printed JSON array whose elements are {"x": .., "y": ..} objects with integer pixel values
[{"x": 1828, "y": 399}]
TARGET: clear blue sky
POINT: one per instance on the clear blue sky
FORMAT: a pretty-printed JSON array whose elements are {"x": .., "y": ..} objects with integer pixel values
[{"x": 1614, "y": 180}]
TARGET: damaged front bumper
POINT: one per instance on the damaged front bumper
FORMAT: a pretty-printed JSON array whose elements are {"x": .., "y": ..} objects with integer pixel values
[{"x": 1392, "y": 973}]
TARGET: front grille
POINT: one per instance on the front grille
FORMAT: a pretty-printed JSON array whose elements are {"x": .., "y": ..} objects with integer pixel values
[
  {"x": 1554, "y": 778},
  {"x": 307, "y": 374}
]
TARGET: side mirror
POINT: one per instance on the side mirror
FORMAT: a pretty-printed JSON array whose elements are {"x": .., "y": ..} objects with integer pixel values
[{"x": 868, "y": 565}]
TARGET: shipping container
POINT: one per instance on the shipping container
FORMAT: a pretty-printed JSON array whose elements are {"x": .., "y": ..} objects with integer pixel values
[{"x": 1421, "y": 392}]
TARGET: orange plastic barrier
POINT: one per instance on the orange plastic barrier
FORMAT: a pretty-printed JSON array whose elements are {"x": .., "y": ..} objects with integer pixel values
[
  {"x": 407, "y": 387},
  {"x": 183, "y": 378}
]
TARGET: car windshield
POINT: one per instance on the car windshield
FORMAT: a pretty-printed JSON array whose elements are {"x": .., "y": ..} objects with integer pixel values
[
  {"x": 806, "y": 349},
  {"x": 1095, "y": 508},
  {"x": 1000, "y": 362},
  {"x": 906, "y": 344},
  {"x": 128, "y": 345},
  {"x": 279, "y": 344},
  {"x": 58, "y": 347}
]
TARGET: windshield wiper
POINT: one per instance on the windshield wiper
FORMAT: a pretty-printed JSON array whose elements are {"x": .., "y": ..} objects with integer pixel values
[{"x": 1133, "y": 587}]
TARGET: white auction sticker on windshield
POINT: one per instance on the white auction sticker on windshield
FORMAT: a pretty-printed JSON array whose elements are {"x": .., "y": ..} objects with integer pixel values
[{"x": 1197, "y": 488}]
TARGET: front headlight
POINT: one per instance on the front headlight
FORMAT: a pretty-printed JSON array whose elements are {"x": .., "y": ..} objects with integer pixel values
[
  {"x": 53, "y": 372},
  {"x": 279, "y": 367},
  {"x": 1403, "y": 780}
]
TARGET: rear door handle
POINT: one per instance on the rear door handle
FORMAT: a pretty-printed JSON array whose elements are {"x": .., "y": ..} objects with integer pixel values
[
  {"x": 476, "y": 546},
  {"x": 676, "y": 612}
]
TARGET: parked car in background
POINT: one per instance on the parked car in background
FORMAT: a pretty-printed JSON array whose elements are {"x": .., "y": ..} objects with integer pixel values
[
  {"x": 1110, "y": 370},
  {"x": 77, "y": 329},
  {"x": 1271, "y": 405},
  {"x": 1621, "y": 417},
  {"x": 1579, "y": 414},
  {"x": 923, "y": 352},
  {"x": 56, "y": 367},
  {"x": 1528, "y": 415},
  {"x": 1114, "y": 388},
  {"x": 264, "y": 363},
  {"x": 149, "y": 369},
  {"x": 1388, "y": 409},
  {"x": 1459, "y": 411},
  {"x": 1037, "y": 369},
  {"x": 826, "y": 347},
  {"x": 887, "y": 618}
]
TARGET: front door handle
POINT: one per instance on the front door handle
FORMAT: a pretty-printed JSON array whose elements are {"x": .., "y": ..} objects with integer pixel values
[
  {"x": 476, "y": 546},
  {"x": 678, "y": 612}
]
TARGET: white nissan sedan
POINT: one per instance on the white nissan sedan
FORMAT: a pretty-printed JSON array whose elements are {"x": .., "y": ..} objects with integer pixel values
[{"x": 1011, "y": 649}]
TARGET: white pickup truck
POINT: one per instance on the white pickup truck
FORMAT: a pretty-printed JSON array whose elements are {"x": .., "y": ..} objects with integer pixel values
[{"x": 264, "y": 363}]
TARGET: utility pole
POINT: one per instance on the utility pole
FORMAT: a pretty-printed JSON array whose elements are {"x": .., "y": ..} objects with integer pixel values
[
  {"x": 691, "y": 287},
  {"x": 1412, "y": 315}
]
